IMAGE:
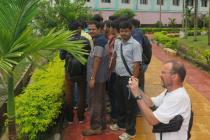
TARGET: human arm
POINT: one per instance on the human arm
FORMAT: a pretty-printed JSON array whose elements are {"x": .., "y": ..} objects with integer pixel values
[
  {"x": 96, "y": 65},
  {"x": 136, "y": 69},
  {"x": 145, "y": 103}
]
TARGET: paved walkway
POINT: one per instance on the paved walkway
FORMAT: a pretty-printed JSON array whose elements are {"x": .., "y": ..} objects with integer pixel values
[{"x": 197, "y": 84}]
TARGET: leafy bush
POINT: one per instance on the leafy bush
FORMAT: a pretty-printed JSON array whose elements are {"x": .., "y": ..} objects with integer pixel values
[
  {"x": 195, "y": 50},
  {"x": 59, "y": 14},
  {"x": 153, "y": 30},
  {"x": 206, "y": 54},
  {"x": 169, "y": 42},
  {"x": 41, "y": 101},
  {"x": 124, "y": 13},
  {"x": 191, "y": 32},
  {"x": 158, "y": 24},
  {"x": 172, "y": 22}
]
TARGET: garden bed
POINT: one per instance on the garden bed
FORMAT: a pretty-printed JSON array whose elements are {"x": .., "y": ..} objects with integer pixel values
[{"x": 197, "y": 52}]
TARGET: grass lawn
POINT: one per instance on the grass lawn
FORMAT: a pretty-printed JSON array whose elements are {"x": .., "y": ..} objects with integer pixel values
[
  {"x": 201, "y": 43},
  {"x": 195, "y": 49}
]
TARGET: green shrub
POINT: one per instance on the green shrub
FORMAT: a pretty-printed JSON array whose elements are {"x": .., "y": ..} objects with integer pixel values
[
  {"x": 41, "y": 101},
  {"x": 125, "y": 12},
  {"x": 191, "y": 32},
  {"x": 206, "y": 54},
  {"x": 153, "y": 30},
  {"x": 169, "y": 42}
]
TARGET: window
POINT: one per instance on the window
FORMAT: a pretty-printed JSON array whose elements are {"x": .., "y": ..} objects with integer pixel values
[
  {"x": 87, "y": 0},
  {"x": 125, "y": 1},
  {"x": 158, "y": 2},
  {"x": 190, "y": 2},
  {"x": 106, "y": 1},
  {"x": 203, "y": 3},
  {"x": 143, "y": 1},
  {"x": 176, "y": 2}
]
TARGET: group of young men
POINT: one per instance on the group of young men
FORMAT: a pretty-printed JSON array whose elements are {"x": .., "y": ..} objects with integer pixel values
[{"x": 115, "y": 57}]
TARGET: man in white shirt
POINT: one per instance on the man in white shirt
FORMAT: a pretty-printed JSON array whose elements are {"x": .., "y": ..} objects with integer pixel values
[{"x": 170, "y": 103}]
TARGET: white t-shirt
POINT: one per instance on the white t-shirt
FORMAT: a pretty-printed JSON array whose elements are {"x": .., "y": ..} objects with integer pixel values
[{"x": 169, "y": 105}]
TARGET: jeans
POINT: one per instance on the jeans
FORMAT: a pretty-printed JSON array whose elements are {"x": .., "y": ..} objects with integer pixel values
[
  {"x": 127, "y": 106},
  {"x": 113, "y": 95},
  {"x": 69, "y": 86},
  {"x": 97, "y": 106}
]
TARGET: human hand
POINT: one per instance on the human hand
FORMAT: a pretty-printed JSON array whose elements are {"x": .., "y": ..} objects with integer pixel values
[
  {"x": 134, "y": 85},
  {"x": 91, "y": 83}
]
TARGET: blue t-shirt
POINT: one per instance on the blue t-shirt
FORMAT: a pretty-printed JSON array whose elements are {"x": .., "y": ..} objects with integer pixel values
[
  {"x": 100, "y": 50},
  {"x": 138, "y": 35}
]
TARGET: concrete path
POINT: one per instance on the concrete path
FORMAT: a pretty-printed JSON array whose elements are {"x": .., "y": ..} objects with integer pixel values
[{"x": 197, "y": 84}]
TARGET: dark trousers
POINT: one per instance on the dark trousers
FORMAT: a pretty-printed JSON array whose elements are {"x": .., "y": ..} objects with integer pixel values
[
  {"x": 97, "y": 106},
  {"x": 69, "y": 86},
  {"x": 113, "y": 95},
  {"x": 127, "y": 106}
]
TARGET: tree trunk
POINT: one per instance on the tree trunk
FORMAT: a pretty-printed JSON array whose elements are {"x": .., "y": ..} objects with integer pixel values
[
  {"x": 209, "y": 26},
  {"x": 11, "y": 109},
  {"x": 196, "y": 20},
  {"x": 160, "y": 2},
  {"x": 186, "y": 19},
  {"x": 183, "y": 15}
]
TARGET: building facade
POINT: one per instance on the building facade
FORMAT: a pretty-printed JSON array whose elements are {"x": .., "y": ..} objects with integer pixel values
[{"x": 148, "y": 11}]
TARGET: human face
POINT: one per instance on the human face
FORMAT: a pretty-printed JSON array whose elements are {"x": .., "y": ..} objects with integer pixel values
[
  {"x": 125, "y": 34},
  {"x": 166, "y": 76},
  {"x": 106, "y": 30},
  {"x": 93, "y": 30}
]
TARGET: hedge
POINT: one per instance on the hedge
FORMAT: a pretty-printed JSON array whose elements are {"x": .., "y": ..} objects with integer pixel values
[
  {"x": 153, "y": 30},
  {"x": 41, "y": 101},
  {"x": 170, "y": 30},
  {"x": 169, "y": 42}
]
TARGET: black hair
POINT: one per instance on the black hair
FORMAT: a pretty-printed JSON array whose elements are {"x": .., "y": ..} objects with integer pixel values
[
  {"x": 178, "y": 68},
  {"x": 112, "y": 17},
  {"x": 125, "y": 24},
  {"x": 97, "y": 24},
  {"x": 135, "y": 22},
  {"x": 98, "y": 18},
  {"x": 115, "y": 24},
  {"x": 74, "y": 25},
  {"x": 123, "y": 18},
  {"x": 107, "y": 23}
]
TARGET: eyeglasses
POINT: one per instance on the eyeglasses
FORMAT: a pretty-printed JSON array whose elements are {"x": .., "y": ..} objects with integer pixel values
[{"x": 166, "y": 72}]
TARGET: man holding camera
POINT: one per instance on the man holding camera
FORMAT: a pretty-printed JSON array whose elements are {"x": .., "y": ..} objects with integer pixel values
[{"x": 170, "y": 103}]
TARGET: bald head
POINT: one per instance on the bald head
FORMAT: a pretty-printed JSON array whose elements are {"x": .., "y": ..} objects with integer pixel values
[{"x": 178, "y": 68}]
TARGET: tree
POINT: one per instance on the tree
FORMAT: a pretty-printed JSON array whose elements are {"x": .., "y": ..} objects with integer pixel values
[
  {"x": 59, "y": 14},
  {"x": 160, "y": 12},
  {"x": 124, "y": 13},
  {"x": 195, "y": 20},
  {"x": 209, "y": 26},
  {"x": 18, "y": 42}
]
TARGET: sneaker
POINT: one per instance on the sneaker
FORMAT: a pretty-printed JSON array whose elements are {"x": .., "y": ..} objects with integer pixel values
[
  {"x": 75, "y": 107},
  {"x": 90, "y": 132},
  {"x": 126, "y": 136},
  {"x": 81, "y": 121},
  {"x": 86, "y": 107},
  {"x": 115, "y": 127},
  {"x": 70, "y": 123}
]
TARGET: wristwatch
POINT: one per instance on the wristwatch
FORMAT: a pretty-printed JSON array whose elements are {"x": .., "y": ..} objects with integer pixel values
[
  {"x": 138, "y": 97},
  {"x": 92, "y": 78}
]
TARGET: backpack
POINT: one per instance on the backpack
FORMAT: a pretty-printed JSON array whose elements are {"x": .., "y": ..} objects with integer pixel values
[
  {"x": 147, "y": 50},
  {"x": 190, "y": 124},
  {"x": 75, "y": 68}
]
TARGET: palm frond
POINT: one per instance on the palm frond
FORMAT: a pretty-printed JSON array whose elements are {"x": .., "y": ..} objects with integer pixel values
[
  {"x": 17, "y": 40},
  {"x": 14, "y": 17}
]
